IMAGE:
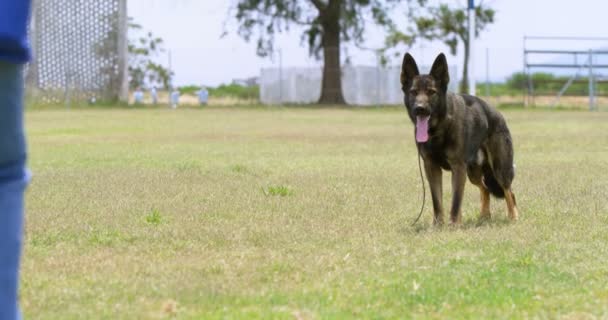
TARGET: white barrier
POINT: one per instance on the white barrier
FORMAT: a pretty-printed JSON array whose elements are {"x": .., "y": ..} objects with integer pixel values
[{"x": 361, "y": 85}]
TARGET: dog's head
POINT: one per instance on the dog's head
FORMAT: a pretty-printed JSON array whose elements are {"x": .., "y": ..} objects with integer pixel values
[{"x": 425, "y": 95}]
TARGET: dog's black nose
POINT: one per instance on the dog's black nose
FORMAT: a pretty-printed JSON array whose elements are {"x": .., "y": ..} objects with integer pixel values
[{"x": 420, "y": 110}]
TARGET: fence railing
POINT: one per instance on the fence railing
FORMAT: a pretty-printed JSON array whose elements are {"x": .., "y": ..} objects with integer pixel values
[{"x": 578, "y": 60}]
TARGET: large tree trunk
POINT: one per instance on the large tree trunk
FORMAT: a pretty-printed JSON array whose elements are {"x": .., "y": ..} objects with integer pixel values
[{"x": 331, "y": 87}]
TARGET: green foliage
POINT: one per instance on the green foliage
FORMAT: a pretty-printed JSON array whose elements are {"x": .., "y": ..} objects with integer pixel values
[
  {"x": 281, "y": 191},
  {"x": 266, "y": 18},
  {"x": 106, "y": 50},
  {"x": 142, "y": 68},
  {"x": 450, "y": 24},
  {"x": 519, "y": 80},
  {"x": 446, "y": 24},
  {"x": 547, "y": 83},
  {"x": 239, "y": 168},
  {"x": 106, "y": 237},
  {"x": 225, "y": 90},
  {"x": 154, "y": 217},
  {"x": 190, "y": 89},
  {"x": 498, "y": 89},
  {"x": 235, "y": 91},
  {"x": 325, "y": 24}
]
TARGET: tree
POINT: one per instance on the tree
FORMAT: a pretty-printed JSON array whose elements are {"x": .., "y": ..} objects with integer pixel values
[
  {"x": 449, "y": 25},
  {"x": 327, "y": 25},
  {"x": 107, "y": 50},
  {"x": 142, "y": 68}
]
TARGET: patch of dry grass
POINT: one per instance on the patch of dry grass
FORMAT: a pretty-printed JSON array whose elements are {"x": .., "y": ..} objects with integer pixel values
[{"x": 169, "y": 213}]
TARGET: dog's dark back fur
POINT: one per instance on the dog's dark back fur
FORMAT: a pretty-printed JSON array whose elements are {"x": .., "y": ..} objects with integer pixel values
[{"x": 463, "y": 130}]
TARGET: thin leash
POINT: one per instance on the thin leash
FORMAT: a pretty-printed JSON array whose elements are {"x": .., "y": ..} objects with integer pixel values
[{"x": 423, "y": 187}]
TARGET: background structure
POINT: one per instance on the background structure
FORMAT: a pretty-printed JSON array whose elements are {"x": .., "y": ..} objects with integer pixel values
[
  {"x": 80, "y": 51},
  {"x": 362, "y": 85},
  {"x": 583, "y": 69}
]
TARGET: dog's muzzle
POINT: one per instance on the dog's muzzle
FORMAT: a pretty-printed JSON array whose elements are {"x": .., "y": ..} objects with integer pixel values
[{"x": 421, "y": 111}]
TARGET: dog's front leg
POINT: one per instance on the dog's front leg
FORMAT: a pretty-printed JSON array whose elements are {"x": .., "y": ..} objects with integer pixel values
[
  {"x": 434, "y": 177},
  {"x": 459, "y": 178}
]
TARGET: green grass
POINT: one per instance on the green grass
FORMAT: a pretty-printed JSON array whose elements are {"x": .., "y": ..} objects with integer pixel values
[
  {"x": 302, "y": 213},
  {"x": 154, "y": 217},
  {"x": 282, "y": 191}
]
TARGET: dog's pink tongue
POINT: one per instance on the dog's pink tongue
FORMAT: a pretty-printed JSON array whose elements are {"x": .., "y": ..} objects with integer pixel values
[{"x": 422, "y": 128}]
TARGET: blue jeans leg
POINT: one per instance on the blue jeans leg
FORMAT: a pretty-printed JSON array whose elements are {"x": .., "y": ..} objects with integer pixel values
[{"x": 13, "y": 180}]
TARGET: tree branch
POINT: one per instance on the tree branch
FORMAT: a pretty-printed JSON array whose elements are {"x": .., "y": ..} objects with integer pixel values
[{"x": 319, "y": 4}]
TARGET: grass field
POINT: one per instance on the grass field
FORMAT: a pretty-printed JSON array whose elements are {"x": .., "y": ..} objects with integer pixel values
[{"x": 303, "y": 214}]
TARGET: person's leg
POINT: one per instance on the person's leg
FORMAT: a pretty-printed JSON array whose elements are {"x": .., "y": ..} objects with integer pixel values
[{"x": 13, "y": 180}]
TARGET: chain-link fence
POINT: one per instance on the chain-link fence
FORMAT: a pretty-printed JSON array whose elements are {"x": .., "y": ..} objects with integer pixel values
[{"x": 80, "y": 51}]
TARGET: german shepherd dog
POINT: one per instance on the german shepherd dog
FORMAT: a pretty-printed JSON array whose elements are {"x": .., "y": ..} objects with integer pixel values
[{"x": 459, "y": 133}]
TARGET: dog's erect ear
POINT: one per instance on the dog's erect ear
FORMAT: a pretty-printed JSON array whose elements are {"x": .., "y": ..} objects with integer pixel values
[
  {"x": 409, "y": 70},
  {"x": 439, "y": 71}
]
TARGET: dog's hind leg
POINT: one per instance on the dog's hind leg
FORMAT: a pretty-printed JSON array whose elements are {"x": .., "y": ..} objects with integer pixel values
[
  {"x": 511, "y": 205},
  {"x": 485, "y": 203},
  {"x": 475, "y": 174},
  {"x": 502, "y": 168}
]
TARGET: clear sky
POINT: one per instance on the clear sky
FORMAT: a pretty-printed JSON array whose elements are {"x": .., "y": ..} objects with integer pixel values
[{"x": 192, "y": 30}]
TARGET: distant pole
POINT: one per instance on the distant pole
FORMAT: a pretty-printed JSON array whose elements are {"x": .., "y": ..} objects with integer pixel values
[
  {"x": 526, "y": 95},
  {"x": 591, "y": 84},
  {"x": 170, "y": 89},
  {"x": 471, "y": 47},
  {"x": 280, "y": 76},
  {"x": 378, "y": 69},
  {"x": 170, "y": 69},
  {"x": 487, "y": 72}
]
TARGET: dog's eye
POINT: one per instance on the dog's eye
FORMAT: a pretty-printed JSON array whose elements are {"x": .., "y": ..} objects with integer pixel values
[
  {"x": 413, "y": 92},
  {"x": 431, "y": 92}
]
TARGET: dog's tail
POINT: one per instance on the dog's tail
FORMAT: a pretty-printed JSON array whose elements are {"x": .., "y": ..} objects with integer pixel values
[{"x": 490, "y": 182}]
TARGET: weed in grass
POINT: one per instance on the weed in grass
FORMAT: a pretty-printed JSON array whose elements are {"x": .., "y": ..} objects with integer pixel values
[
  {"x": 238, "y": 168},
  {"x": 154, "y": 217},
  {"x": 105, "y": 237},
  {"x": 50, "y": 239},
  {"x": 189, "y": 166},
  {"x": 281, "y": 191}
]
